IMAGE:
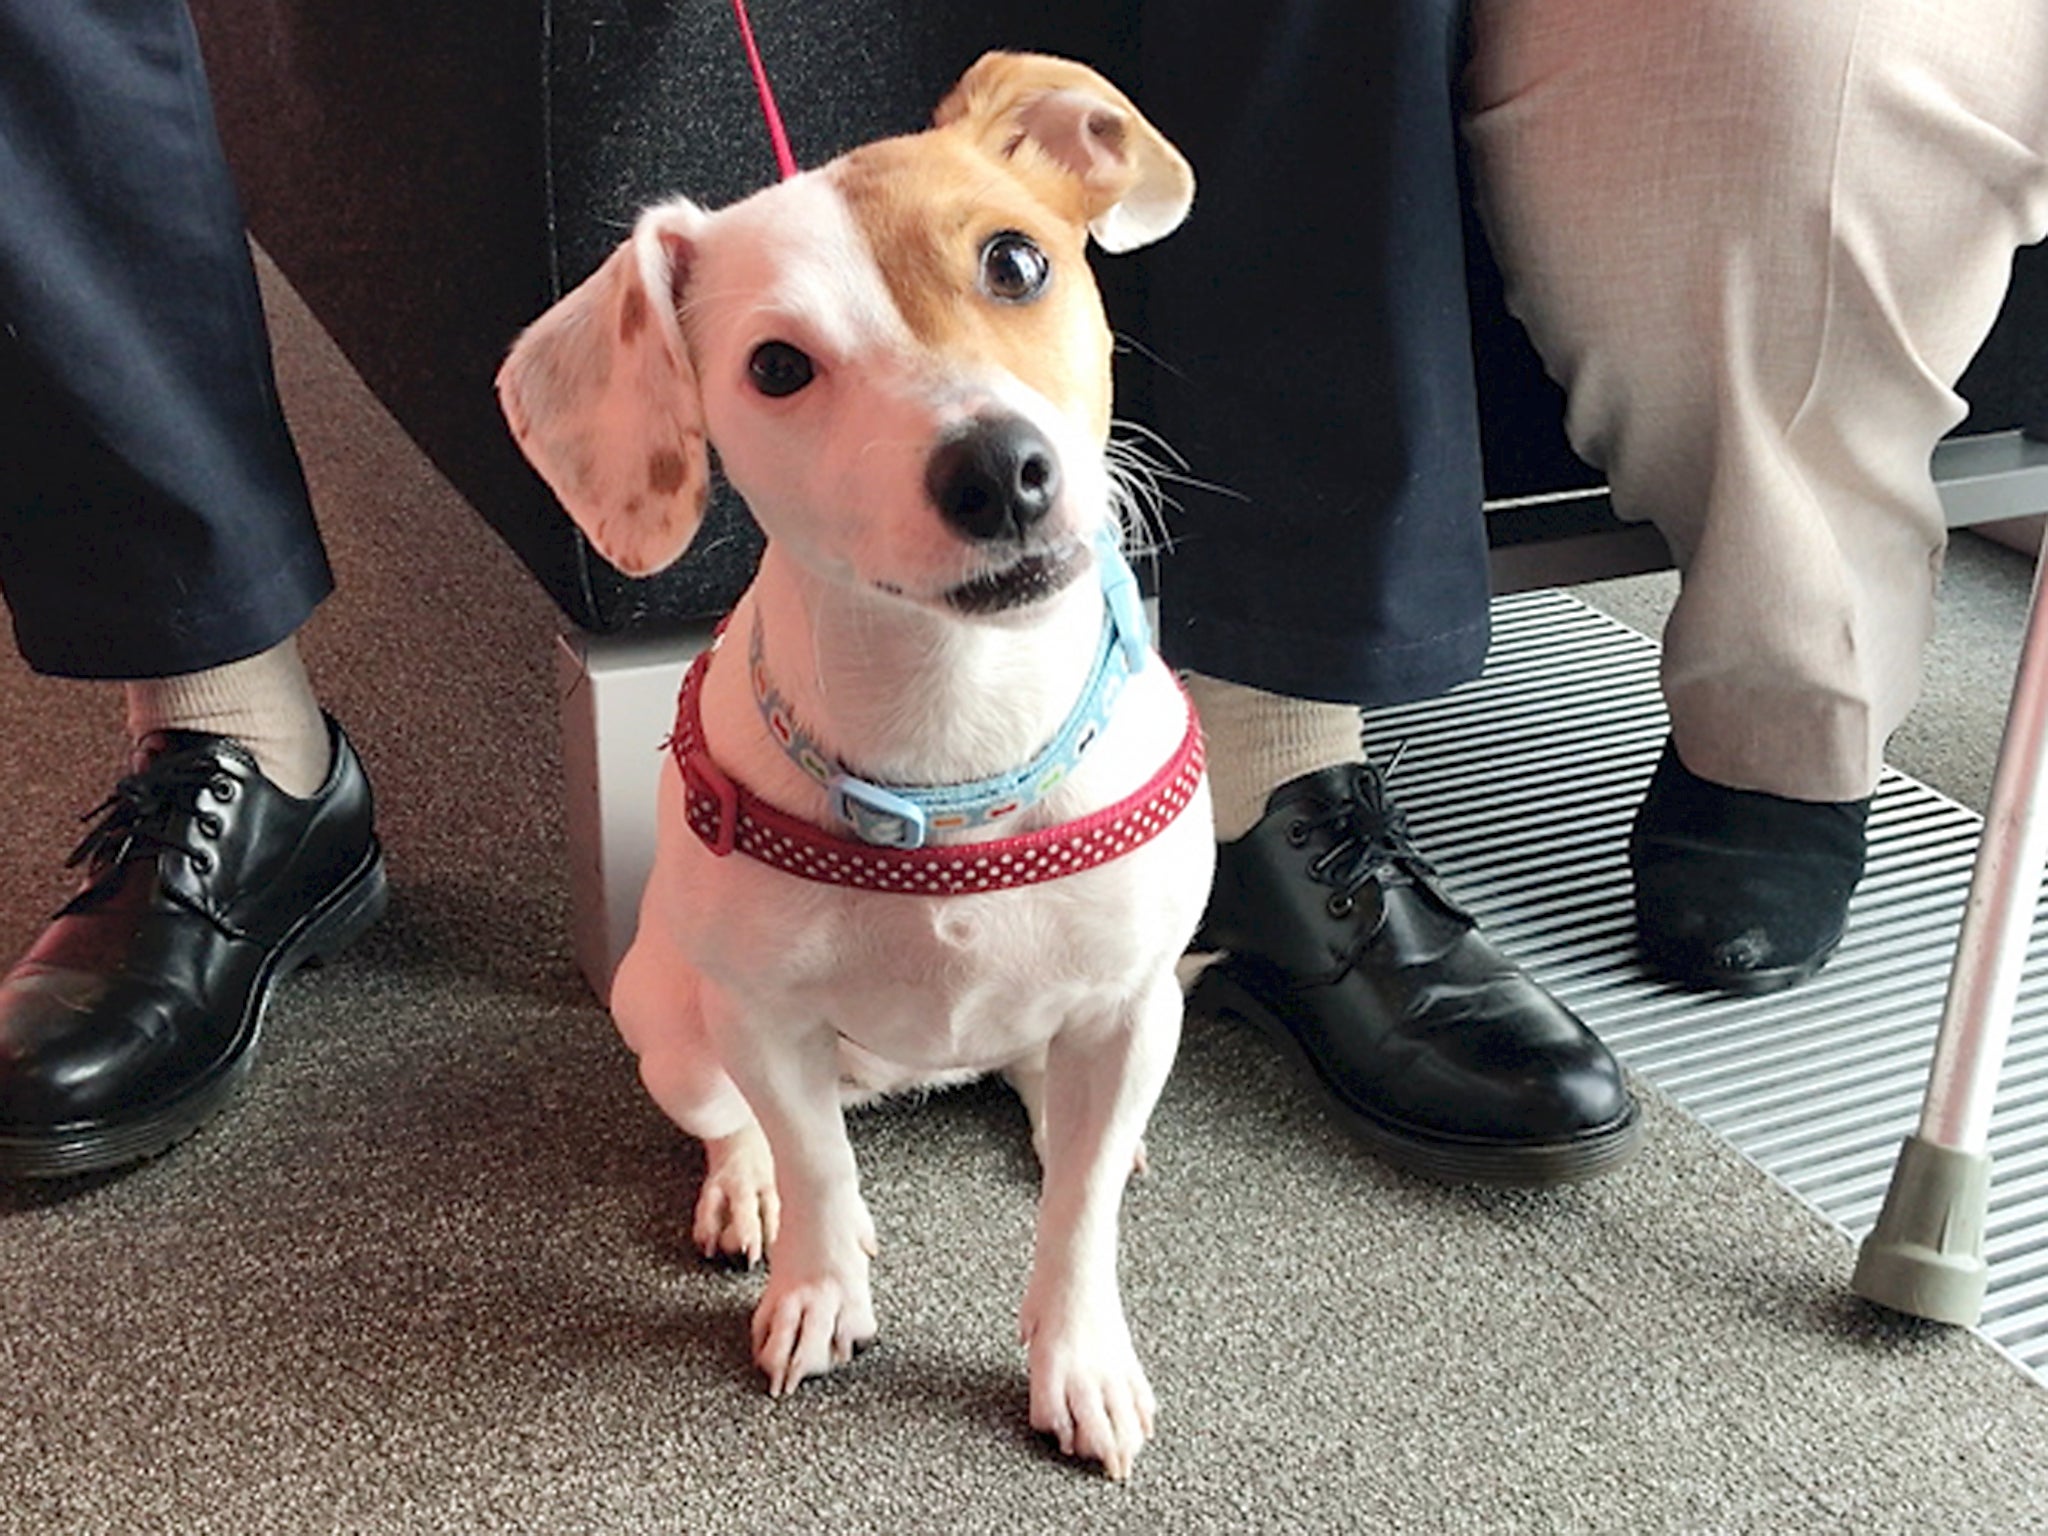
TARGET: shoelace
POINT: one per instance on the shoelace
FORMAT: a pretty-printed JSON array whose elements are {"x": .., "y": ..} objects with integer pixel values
[
  {"x": 1371, "y": 841},
  {"x": 148, "y": 812}
]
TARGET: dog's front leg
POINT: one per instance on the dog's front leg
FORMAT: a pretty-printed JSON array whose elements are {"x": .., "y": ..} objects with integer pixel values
[
  {"x": 1026, "y": 1076},
  {"x": 1102, "y": 1079},
  {"x": 817, "y": 1309}
]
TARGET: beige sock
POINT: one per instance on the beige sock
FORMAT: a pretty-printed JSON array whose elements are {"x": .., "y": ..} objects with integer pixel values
[
  {"x": 265, "y": 702},
  {"x": 1258, "y": 741}
]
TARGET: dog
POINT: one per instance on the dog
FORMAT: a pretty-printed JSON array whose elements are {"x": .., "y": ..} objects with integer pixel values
[{"x": 902, "y": 362}]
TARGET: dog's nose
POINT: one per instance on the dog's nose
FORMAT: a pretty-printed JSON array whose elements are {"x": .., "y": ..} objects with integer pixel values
[{"x": 995, "y": 480}]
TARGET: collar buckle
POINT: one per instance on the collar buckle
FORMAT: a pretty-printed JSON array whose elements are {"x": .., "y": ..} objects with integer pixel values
[
  {"x": 875, "y": 815},
  {"x": 707, "y": 778}
]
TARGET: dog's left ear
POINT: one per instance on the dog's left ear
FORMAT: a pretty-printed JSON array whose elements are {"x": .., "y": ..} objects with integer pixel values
[
  {"x": 1136, "y": 187},
  {"x": 602, "y": 396}
]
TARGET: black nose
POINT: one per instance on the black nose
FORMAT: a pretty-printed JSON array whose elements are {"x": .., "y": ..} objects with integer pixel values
[{"x": 995, "y": 480}]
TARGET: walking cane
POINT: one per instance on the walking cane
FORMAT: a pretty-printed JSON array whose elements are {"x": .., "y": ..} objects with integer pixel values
[{"x": 1926, "y": 1254}]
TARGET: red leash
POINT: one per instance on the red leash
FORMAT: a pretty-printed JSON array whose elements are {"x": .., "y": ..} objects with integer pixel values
[{"x": 785, "y": 158}]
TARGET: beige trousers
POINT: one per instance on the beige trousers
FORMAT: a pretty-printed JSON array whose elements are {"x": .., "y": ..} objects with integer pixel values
[{"x": 1757, "y": 241}]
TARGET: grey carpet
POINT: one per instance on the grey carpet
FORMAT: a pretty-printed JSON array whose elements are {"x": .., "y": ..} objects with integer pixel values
[{"x": 430, "y": 1273}]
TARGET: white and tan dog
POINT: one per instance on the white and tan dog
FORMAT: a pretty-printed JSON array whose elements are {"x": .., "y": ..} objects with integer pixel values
[{"x": 902, "y": 361}]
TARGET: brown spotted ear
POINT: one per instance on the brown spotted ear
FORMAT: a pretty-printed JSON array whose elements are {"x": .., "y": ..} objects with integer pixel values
[
  {"x": 602, "y": 398},
  {"x": 1136, "y": 186}
]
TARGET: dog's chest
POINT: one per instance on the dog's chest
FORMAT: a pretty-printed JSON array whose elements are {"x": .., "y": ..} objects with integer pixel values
[
  {"x": 968, "y": 983},
  {"x": 930, "y": 985}
]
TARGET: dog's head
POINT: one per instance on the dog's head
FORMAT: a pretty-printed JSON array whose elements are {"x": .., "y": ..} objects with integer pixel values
[{"x": 900, "y": 357}]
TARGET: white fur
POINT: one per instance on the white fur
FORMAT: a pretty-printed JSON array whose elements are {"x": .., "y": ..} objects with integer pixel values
[{"x": 758, "y": 1002}]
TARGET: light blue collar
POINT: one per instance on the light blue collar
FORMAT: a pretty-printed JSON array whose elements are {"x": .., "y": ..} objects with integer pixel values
[{"x": 903, "y": 815}]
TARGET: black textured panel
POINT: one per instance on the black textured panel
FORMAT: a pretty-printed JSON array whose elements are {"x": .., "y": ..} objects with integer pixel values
[
  {"x": 389, "y": 159},
  {"x": 2007, "y": 386}
]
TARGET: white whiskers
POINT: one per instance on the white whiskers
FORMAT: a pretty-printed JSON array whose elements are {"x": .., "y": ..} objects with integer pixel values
[{"x": 1142, "y": 464}]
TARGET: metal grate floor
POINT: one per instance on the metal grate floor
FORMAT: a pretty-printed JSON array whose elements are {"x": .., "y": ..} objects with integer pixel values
[{"x": 1521, "y": 786}]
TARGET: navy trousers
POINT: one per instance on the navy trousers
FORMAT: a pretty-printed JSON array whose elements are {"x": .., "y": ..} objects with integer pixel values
[
  {"x": 1314, "y": 348},
  {"x": 153, "y": 514}
]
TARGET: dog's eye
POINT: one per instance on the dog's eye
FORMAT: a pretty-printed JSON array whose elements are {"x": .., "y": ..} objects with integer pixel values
[
  {"x": 778, "y": 369},
  {"x": 1013, "y": 269}
]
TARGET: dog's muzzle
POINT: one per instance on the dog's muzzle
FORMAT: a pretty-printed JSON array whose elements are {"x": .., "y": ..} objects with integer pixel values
[{"x": 1026, "y": 580}]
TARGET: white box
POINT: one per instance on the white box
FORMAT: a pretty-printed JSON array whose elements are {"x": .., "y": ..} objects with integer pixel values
[{"x": 617, "y": 698}]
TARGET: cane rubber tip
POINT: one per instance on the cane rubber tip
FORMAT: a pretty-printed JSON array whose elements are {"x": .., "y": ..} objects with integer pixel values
[{"x": 1925, "y": 1256}]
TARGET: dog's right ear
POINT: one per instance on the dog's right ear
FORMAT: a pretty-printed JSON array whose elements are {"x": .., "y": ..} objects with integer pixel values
[
  {"x": 1136, "y": 186},
  {"x": 602, "y": 397}
]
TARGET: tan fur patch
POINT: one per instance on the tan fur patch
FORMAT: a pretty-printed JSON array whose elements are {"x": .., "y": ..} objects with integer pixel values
[
  {"x": 632, "y": 314},
  {"x": 928, "y": 204},
  {"x": 665, "y": 472}
]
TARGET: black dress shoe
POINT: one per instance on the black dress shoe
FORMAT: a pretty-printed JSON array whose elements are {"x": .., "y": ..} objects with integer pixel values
[
  {"x": 135, "y": 1014},
  {"x": 1344, "y": 947},
  {"x": 1739, "y": 891}
]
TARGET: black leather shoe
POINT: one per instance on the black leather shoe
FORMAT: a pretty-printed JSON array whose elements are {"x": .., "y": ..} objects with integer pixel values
[
  {"x": 1344, "y": 947},
  {"x": 135, "y": 1014},
  {"x": 1738, "y": 891}
]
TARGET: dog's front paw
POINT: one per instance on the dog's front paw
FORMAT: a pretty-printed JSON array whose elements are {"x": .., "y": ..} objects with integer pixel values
[
  {"x": 1088, "y": 1390},
  {"x": 806, "y": 1326},
  {"x": 737, "y": 1209}
]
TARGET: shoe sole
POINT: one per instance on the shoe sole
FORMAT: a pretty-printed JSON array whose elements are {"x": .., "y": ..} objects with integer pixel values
[
  {"x": 345, "y": 916},
  {"x": 1704, "y": 978},
  {"x": 1447, "y": 1159}
]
